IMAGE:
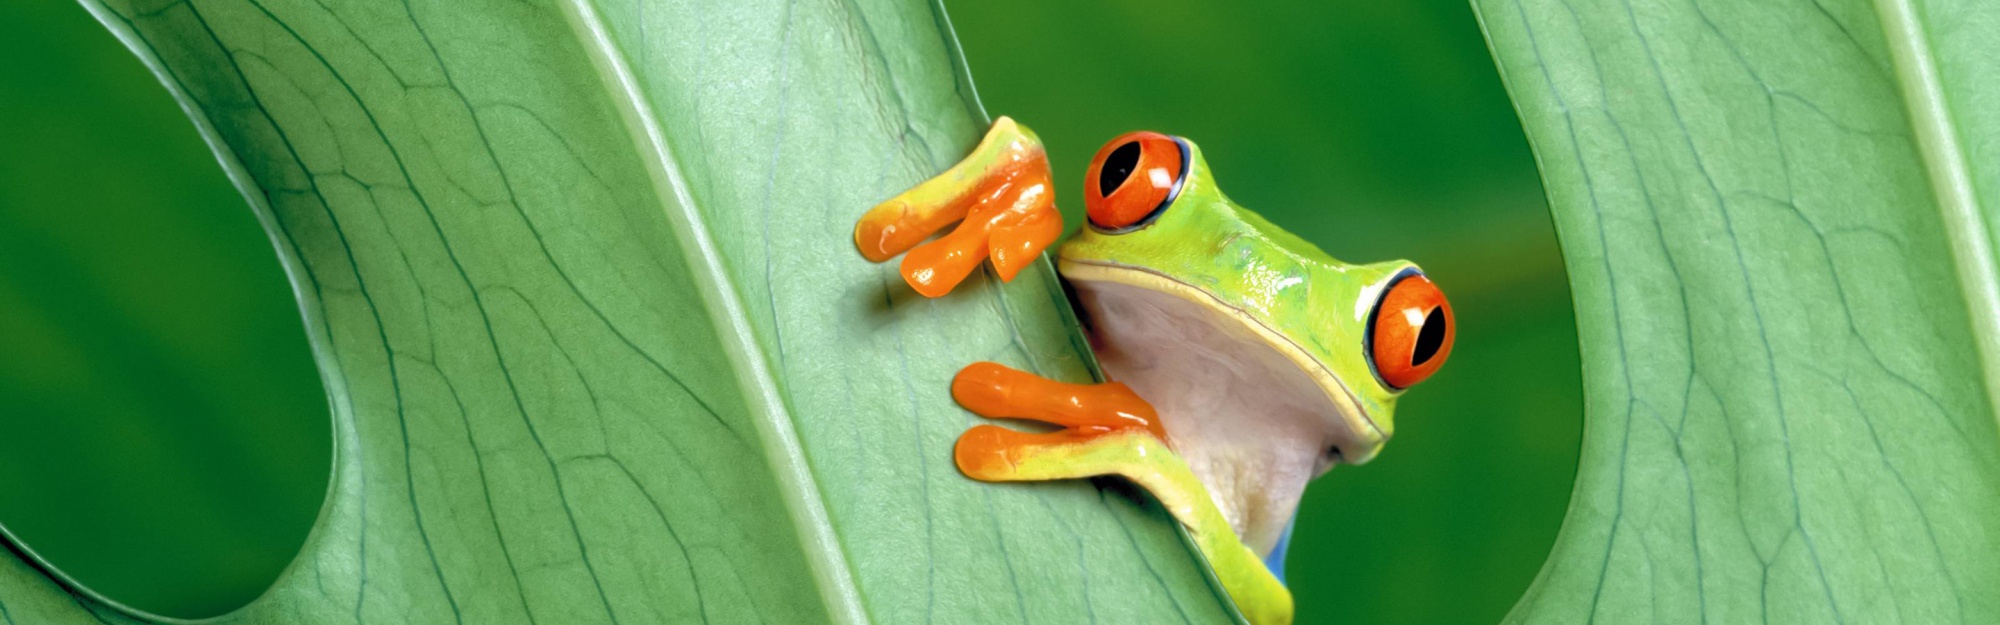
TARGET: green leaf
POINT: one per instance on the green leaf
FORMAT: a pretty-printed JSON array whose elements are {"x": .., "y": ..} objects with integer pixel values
[
  {"x": 1775, "y": 218},
  {"x": 580, "y": 283}
]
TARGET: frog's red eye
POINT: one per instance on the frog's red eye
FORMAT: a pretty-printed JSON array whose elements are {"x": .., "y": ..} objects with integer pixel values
[
  {"x": 1132, "y": 180},
  {"x": 1411, "y": 331}
]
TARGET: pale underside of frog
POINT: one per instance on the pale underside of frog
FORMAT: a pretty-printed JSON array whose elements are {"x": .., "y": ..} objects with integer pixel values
[{"x": 1261, "y": 361}]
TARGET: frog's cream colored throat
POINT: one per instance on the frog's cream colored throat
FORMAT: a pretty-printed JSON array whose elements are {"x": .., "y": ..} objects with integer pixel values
[{"x": 1247, "y": 408}]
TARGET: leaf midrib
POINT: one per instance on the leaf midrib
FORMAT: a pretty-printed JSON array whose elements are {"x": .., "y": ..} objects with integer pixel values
[
  {"x": 1950, "y": 175},
  {"x": 777, "y": 433}
]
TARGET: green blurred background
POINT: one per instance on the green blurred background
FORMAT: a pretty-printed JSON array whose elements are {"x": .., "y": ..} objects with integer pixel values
[{"x": 165, "y": 440}]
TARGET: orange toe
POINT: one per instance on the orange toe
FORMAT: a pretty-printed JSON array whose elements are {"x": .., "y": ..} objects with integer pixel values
[
  {"x": 935, "y": 268},
  {"x": 981, "y": 453},
  {"x": 1013, "y": 247},
  {"x": 995, "y": 391}
]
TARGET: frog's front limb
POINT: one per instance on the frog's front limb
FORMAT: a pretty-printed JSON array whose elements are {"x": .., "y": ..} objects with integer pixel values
[
  {"x": 1107, "y": 430},
  {"x": 1001, "y": 197}
]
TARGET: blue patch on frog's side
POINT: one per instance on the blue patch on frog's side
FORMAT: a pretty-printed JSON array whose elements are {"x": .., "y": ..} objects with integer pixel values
[{"x": 1276, "y": 561}]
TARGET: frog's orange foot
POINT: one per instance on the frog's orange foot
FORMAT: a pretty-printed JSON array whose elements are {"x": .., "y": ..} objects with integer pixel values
[
  {"x": 1106, "y": 427},
  {"x": 990, "y": 453},
  {"x": 1106, "y": 430},
  {"x": 1001, "y": 198}
]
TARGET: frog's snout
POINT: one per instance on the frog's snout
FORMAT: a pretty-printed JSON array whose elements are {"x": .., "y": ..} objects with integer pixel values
[{"x": 1359, "y": 440}]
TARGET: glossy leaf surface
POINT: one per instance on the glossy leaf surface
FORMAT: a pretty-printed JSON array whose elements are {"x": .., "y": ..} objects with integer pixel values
[
  {"x": 598, "y": 346},
  {"x": 1774, "y": 219}
]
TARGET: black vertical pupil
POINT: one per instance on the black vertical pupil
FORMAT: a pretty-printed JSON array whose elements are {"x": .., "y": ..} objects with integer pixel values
[
  {"x": 1117, "y": 167},
  {"x": 1430, "y": 338}
]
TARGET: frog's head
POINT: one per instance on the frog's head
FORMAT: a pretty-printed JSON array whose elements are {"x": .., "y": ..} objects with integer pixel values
[{"x": 1270, "y": 361}]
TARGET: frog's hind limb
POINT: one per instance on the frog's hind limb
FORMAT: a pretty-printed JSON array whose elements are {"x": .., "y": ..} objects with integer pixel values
[
  {"x": 1107, "y": 430},
  {"x": 1001, "y": 198}
]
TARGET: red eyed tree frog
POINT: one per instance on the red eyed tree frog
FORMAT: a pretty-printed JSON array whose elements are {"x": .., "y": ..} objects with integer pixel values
[{"x": 1262, "y": 361}]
